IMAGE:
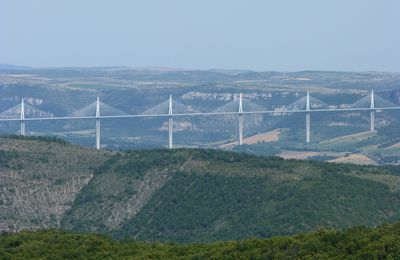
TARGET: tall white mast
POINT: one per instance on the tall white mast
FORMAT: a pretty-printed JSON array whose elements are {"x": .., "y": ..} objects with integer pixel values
[
  {"x": 308, "y": 118},
  {"x": 22, "y": 129},
  {"x": 170, "y": 123},
  {"x": 240, "y": 119},
  {"x": 98, "y": 123},
  {"x": 372, "y": 114}
]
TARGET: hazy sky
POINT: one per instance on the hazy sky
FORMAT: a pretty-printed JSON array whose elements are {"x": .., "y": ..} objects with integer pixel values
[{"x": 283, "y": 35}]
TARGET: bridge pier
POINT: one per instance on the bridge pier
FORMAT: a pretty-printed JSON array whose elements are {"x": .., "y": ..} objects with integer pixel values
[
  {"x": 240, "y": 120},
  {"x": 308, "y": 127},
  {"x": 98, "y": 145},
  {"x": 372, "y": 113},
  {"x": 22, "y": 127},
  {"x": 170, "y": 124},
  {"x": 308, "y": 118},
  {"x": 372, "y": 121}
]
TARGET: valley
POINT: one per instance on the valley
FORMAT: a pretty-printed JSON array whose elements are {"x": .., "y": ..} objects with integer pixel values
[{"x": 124, "y": 90}]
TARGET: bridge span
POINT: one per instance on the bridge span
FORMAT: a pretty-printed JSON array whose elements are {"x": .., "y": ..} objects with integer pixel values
[{"x": 171, "y": 115}]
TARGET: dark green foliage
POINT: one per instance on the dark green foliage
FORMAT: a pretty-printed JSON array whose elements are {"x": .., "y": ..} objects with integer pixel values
[
  {"x": 6, "y": 157},
  {"x": 147, "y": 159},
  {"x": 211, "y": 207},
  {"x": 355, "y": 243},
  {"x": 48, "y": 139},
  {"x": 212, "y": 195}
]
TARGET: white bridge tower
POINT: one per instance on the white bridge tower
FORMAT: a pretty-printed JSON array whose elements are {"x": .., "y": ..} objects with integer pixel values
[
  {"x": 308, "y": 118},
  {"x": 240, "y": 119},
  {"x": 372, "y": 114},
  {"x": 170, "y": 123},
  {"x": 98, "y": 124},
  {"x": 22, "y": 129}
]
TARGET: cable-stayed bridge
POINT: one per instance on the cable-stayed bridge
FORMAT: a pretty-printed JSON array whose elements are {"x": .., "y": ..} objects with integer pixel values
[{"x": 171, "y": 110}]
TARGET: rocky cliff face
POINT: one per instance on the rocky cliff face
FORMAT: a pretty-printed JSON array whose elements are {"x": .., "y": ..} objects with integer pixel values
[{"x": 40, "y": 180}]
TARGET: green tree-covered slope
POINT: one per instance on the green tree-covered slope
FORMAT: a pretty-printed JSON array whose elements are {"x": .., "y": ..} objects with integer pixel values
[
  {"x": 206, "y": 195},
  {"x": 185, "y": 195},
  {"x": 354, "y": 243}
]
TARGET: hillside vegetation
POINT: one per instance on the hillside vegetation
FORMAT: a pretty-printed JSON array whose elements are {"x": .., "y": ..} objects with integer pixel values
[
  {"x": 205, "y": 195},
  {"x": 354, "y": 243},
  {"x": 39, "y": 180},
  {"x": 186, "y": 195}
]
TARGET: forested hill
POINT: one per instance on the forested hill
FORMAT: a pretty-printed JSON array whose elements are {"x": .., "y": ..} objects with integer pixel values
[
  {"x": 185, "y": 195},
  {"x": 354, "y": 243}
]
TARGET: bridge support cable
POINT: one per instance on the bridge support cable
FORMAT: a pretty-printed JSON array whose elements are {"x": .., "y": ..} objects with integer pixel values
[
  {"x": 370, "y": 103},
  {"x": 170, "y": 123},
  {"x": 308, "y": 118},
  {"x": 240, "y": 115},
  {"x": 372, "y": 113},
  {"x": 98, "y": 144},
  {"x": 22, "y": 117}
]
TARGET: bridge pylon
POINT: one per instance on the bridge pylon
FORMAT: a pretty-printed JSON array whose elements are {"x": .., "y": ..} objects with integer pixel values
[
  {"x": 22, "y": 117},
  {"x": 240, "y": 119},
  {"x": 98, "y": 124},
  {"x": 170, "y": 123},
  {"x": 308, "y": 118},
  {"x": 372, "y": 113}
]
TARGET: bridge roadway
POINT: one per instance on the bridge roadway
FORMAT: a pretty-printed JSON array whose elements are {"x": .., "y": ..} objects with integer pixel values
[{"x": 199, "y": 114}]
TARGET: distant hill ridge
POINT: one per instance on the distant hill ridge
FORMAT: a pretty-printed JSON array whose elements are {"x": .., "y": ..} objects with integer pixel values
[{"x": 185, "y": 195}]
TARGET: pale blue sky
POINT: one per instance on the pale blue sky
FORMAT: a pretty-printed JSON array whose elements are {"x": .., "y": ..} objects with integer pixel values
[{"x": 282, "y": 35}]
